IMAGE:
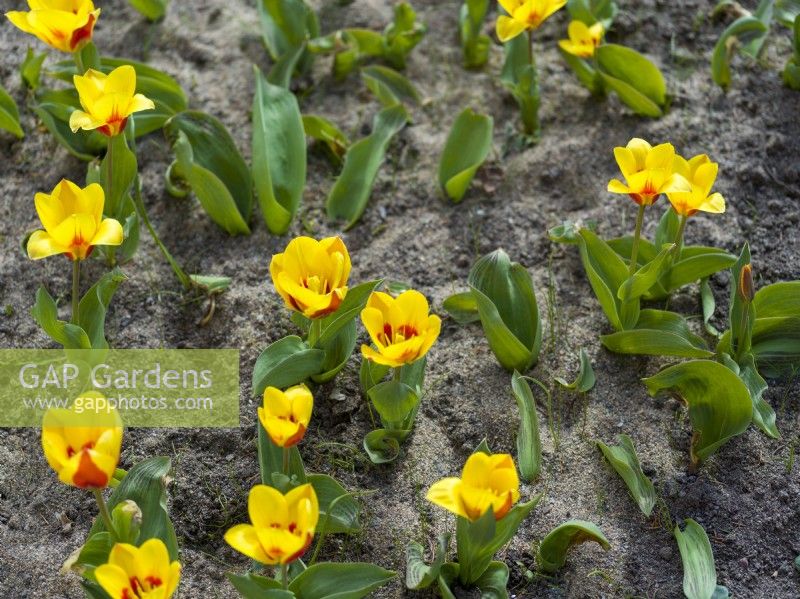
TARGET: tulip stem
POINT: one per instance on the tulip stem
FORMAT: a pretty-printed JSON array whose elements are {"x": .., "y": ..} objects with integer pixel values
[
  {"x": 679, "y": 237},
  {"x": 79, "y": 62},
  {"x": 636, "y": 235},
  {"x": 76, "y": 290},
  {"x": 530, "y": 48},
  {"x": 285, "y": 576},
  {"x": 101, "y": 504},
  {"x": 286, "y": 461},
  {"x": 112, "y": 211}
]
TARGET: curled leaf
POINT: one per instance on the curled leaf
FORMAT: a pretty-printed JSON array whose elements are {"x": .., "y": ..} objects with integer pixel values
[
  {"x": 624, "y": 460},
  {"x": 699, "y": 573},
  {"x": 553, "y": 549},
  {"x": 467, "y": 147},
  {"x": 585, "y": 380}
]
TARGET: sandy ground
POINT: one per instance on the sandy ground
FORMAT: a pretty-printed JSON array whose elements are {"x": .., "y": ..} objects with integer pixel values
[{"x": 746, "y": 497}]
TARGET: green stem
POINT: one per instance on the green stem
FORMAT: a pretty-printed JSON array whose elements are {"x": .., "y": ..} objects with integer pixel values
[
  {"x": 636, "y": 235},
  {"x": 286, "y": 461},
  {"x": 79, "y": 62},
  {"x": 679, "y": 237},
  {"x": 112, "y": 207},
  {"x": 285, "y": 576},
  {"x": 314, "y": 331},
  {"x": 530, "y": 48},
  {"x": 398, "y": 372},
  {"x": 76, "y": 290},
  {"x": 101, "y": 504}
]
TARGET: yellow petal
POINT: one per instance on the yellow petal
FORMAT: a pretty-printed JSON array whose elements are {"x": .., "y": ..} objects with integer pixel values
[
  {"x": 551, "y": 7},
  {"x": 446, "y": 493},
  {"x": 20, "y": 20},
  {"x": 508, "y": 28},
  {"x": 121, "y": 80},
  {"x": 661, "y": 157},
  {"x": 267, "y": 507},
  {"x": 640, "y": 149},
  {"x": 373, "y": 320},
  {"x": 108, "y": 233},
  {"x": 627, "y": 161},
  {"x": 510, "y": 5},
  {"x": 617, "y": 186},
  {"x": 113, "y": 580},
  {"x": 41, "y": 245},
  {"x": 374, "y": 356},
  {"x": 244, "y": 539},
  {"x": 140, "y": 103},
  {"x": 714, "y": 204},
  {"x": 577, "y": 30},
  {"x": 676, "y": 183},
  {"x": 704, "y": 176},
  {"x": 82, "y": 120},
  {"x": 153, "y": 557}
]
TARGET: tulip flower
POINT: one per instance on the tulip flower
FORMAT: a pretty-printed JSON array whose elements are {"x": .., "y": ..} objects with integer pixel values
[
  {"x": 107, "y": 100},
  {"x": 82, "y": 447},
  {"x": 583, "y": 40},
  {"x": 525, "y": 15},
  {"x": 139, "y": 572},
  {"x": 285, "y": 414},
  {"x": 401, "y": 328},
  {"x": 648, "y": 171},
  {"x": 701, "y": 173},
  {"x": 281, "y": 526},
  {"x": 73, "y": 222},
  {"x": 65, "y": 25},
  {"x": 746, "y": 288},
  {"x": 311, "y": 276},
  {"x": 487, "y": 481}
]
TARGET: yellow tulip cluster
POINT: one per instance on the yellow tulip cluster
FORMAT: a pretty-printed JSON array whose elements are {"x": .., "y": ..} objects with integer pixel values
[{"x": 524, "y": 15}]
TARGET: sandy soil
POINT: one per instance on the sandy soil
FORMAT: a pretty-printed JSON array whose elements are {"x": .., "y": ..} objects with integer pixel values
[{"x": 745, "y": 497}]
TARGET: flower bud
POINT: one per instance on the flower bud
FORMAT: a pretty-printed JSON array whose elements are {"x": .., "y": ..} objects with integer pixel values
[{"x": 746, "y": 287}]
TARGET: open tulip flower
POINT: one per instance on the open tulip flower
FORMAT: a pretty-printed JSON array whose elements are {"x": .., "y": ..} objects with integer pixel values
[
  {"x": 701, "y": 173},
  {"x": 107, "y": 100},
  {"x": 282, "y": 526},
  {"x": 83, "y": 448},
  {"x": 487, "y": 481},
  {"x": 525, "y": 15},
  {"x": 65, "y": 25},
  {"x": 583, "y": 40},
  {"x": 648, "y": 171},
  {"x": 401, "y": 328},
  {"x": 285, "y": 414},
  {"x": 139, "y": 572},
  {"x": 73, "y": 222},
  {"x": 311, "y": 276}
]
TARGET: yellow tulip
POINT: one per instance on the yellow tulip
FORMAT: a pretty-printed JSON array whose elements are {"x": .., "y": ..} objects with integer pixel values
[
  {"x": 648, "y": 171},
  {"x": 139, "y": 572},
  {"x": 107, "y": 100},
  {"x": 525, "y": 15},
  {"x": 66, "y": 25},
  {"x": 401, "y": 328},
  {"x": 282, "y": 526},
  {"x": 487, "y": 481},
  {"x": 701, "y": 173},
  {"x": 583, "y": 40},
  {"x": 73, "y": 222},
  {"x": 311, "y": 276},
  {"x": 285, "y": 414},
  {"x": 82, "y": 447}
]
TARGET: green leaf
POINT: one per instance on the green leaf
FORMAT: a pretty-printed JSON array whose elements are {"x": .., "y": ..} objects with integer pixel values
[
  {"x": 389, "y": 86},
  {"x": 742, "y": 312},
  {"x": 708, "y": 304},
  {"x": 719, "y": 404},
  {"x": 493, "y": 581},
  {"x": 383, "y": 446},
  {"x": 45, "y": 313},
  {"x": 340, "y": 581},
  {"x": 635, "y": 79},
  {"x": 585, "y": 380},
  {"x": 521, "y": 79},
  {"x": 658, "y": 333},
  {"x": 9, "y": 114},
  {"x": 787, "y": 11},
  {"x": 289, "y": 361},
  {"x": 647, "y": 276},
  {"x": 743, "y": 29},
  {"x": 253, "y": 586},
  {"x": 371, "y": 373},
  {"x": 53, "y": 110},
  {"x": 285, "y": 26},
  {"x": 337, "y": 351},
  {"x": 697, "y": 263},
  {"x": 279, "y": 153},
  {"x": 778, "y": 299},
  {"x": 529, "y": 444},
  {"x": 270, "y": 461},
  {"x": 339, "y": 511},
  {"x": 624, "y": 460},
  {"x": 152, "y": 10},
  {"x": 146, "y": 485},
  {"x": 94, "y": 306},
  {"x": 462, "y": 307},
  {"x": 124, "y": 168},
  {"x": 324, "y": 131},
  {"x": 349, "y": 196},
  {"x": 776, "y": 345},
  {"x": 763, "y": 414},
  {"x": 420, "y": 575},
  {"x": 506, "y": 302},
  {"x": 699, "y": 573},
  {"x": 592, "y": 11},
  {"x": 589, "y": 77},
  {"x": 402, "y": 35},
  {"x": 394, "y": 401},
  {"x": 351, "y": 306},
  {"x": 475, "y": 45},
  {"x": 31, "y": 69},
  {"x": 468, "y": 144},
  {"x": 552, "y": 554}
]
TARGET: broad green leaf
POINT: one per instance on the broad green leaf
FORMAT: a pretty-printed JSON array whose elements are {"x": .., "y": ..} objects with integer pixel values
[
  {"x": 462, "y": 307},
  {"x": 420, "y": 575},
  {"x": 93, "y": 590},
  {"x": 474, "y": 44},
  {"x": 337, "y": 351},
  {"x": 352, "y": 305},
  {"x": 646, "y": 276},
  {"x": 281, "y": 72},
  {"x": 449, "y": 574},
  {"x": 635, "y": 79},
  {"x": 776, "y": 345},
  {"x": 350, "y": 48},
  {"x": 286, "y": 25},
  {"x": 339, "y": 511},
  {"x": 708, "y": 304},
  {"x": 93, "y": 553},
  {"x": 152, "y": 10},
  {"x": 606, "y": 272},
  {"x": 787, "y": 11},
  {"x": 31, "y": 69},
  {"x": 121, "y": 161},
  {"x": 402, "y": 35},
  {"x": 371, "y": 373},
  {"x": 389, "y": 86},
  {"x": 492, "y": 583},
  {"x": 349, "y": 196},
  {"x": 270, "y": 461},
  {"x": 589, "y": 77},
  {"x": 279, "y": 153},
  {"x": 9, "y": 114},
  {"x": 289, "y": 361},
  {"x": 585, "y": 380},
  {"x": 764, "y": 11},
  {"x": 45, "y": 313},
  {"x": 696, "y": 263},
  {"x": 323, "y": 130},
  {"x": 146, "y": 485},
  {"x": 719, "y": 403},
  {"x": 763, "y": 414},
  {"x": 553, "y": 549},
  {"x": 383, "y": 446},
  {"x": 54, "y": 114},
  {"x": 778, "y": 299},
  {"x": 529, "y": 444},
  {"x": 658, "y": 333},
  {"x": 740, "y": 31},
  {"x": 394, "y": 401},
  {"x": 94, "y": 306},
  {"x": 467, "y": 146},
  {"x": 339, "y": 581},
  {"x": 699, "y": 573},
  {"x": 592, "y": 11},
  {"x": 624, "y": 460},
  {"x": 253, "y": 586}
]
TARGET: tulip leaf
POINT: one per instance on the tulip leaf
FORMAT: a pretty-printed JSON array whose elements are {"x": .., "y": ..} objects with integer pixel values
[
  {"x": 394, "y": 402},
  {"x": 286, "y": 25},
  {"x": 468, "y": 144},
  {"x": 462, "y": 307},
  {"x": 506, "y": 302},
  {"x": 339, "y": 511},
  {"x": 54, "y": 113},
  {"x": 709, "y": 305},
  {"x": 350, "y": 48},
  {"x": 585, "y": 380},
  {"x": 402, "y": 35},
  {"x": 696, "y": 263},
  {"x": 351, "y": 306},
  {"x": 592, "y": 11},
  {"x": 420, "y": 575},
  {"x": 589, "y": 77},
  {"x": 383, "y": 446},
  {"x": 553, "y": 549},
  {"x": 658, "y": 333},
  {"x": 45, "y": 313},
  {"x": 389, "y": 86},
  {"x": 9, "y": 114},
  {"x": 31, "y": 69},
  {"x": 349, "y": 196},
  {"x": 253, "y": 586},
  {"x": 646, "y": 276},
  {"x": 624, "y": 460},
  {"x": 152, "y": 10},
  {"x": 270, "y": 462},
  {"x": 94, "y": 306},
  {"x": 146, "y": 485},
  {"x": 493, "y": 582},
  {"x": 339, "y": 581},
  {"x": 93, "y": 553},
  {"x": 719, "y": 403},
  {"x": 743, "y": 29},
  {"x": 635, "y": 79},
  {"x": 279, "y": 153},
  {"x": 474, "y": 44},
  {"x": 324, "y": 131},
  {"x": 521, "y": 79},
  {"x": 123, "y": 165},
  {"x": 529, "y": 444},
  {"x": 741, "y": 312},
  {"x": 763, "y": 414},
  {"x": 371, "y": 373},
  {"x": 289, "y": 361},
  {"x": 699, "y": 573},
  {"x": 337, "y": 351}
]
